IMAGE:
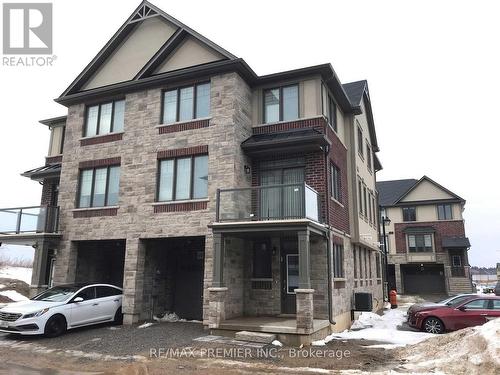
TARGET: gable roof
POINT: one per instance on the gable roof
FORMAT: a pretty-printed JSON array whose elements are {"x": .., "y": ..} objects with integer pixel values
[
  {"x": 389, "y": 192},
  {"x": 144, "y": 12},
  {"x": 393, "y": 192},
  {"x": 355, "y": 91}
]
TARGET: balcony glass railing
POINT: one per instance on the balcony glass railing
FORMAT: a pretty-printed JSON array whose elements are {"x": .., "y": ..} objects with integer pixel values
[
  {"x": 270, "y": 202},
  {"x": 35, "y": 219}
]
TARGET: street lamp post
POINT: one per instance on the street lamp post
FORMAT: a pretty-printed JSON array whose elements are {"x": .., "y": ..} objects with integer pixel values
[{"x": 385, "y": 221}]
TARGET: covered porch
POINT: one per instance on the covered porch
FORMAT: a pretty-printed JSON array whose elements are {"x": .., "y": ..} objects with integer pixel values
[{"x": 270, "y": 277}]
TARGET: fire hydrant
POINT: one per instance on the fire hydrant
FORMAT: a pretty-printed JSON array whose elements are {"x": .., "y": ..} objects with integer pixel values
[{"x": 393, "y": 299}]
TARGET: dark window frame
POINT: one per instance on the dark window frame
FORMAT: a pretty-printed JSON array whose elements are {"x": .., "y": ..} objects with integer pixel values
[
  {"x": 335, "y": 182},
  {"x": 360, "y": 197},
  {"x": 106, "y": 194},
  {"x": 174, "y": 178},
  {"x": 99, "y": 105},
  {"x": 280, "y": 88},
  {"x": 338, "y": 261},
  {"x": 444, "y": 205},
  {"x": 177, "y": 104},
  {"x": 406, "y": 215},
  {"x": 360, "y": 141},
  {"x": 369, "y": 156},
  {"x": 423, "y": 248}
]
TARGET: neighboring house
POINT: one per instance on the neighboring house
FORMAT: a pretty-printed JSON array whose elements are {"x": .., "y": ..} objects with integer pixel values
[
  {"x": 426, "y": 239},
  {"x": 202, "y": 188}
]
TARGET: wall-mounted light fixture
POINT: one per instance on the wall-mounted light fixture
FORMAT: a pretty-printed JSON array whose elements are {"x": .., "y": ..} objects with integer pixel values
[{"x": 247, "y": 169}]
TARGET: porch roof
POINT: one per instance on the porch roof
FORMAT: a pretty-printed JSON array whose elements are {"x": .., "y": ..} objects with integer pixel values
[{"x": 455, "y": 242}]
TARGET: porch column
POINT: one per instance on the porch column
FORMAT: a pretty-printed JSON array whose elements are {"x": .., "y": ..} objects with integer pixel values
[
  {"x": 218, "y": 267},
  {"x": 39, "y": 275},
  {"x": 304, "y": 294},
  {"x": 397, "y": 275},
  {"x": 216, "y": 306},
  {"x": 133, "y": 280}
]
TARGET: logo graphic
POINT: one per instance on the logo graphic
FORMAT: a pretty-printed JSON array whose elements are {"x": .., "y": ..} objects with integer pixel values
[{"x": 27, "y": 28}]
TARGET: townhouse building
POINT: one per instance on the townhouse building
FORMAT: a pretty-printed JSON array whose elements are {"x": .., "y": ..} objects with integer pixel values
[
  {"x": 204, "y": 189},
  {"x": 425, "y": 236}
]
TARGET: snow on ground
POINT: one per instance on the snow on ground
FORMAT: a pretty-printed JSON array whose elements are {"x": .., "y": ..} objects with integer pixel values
[
  {"x": 145, "y": 325},
  {"x": 381, "y": 328},
  {"x": 17, "y": 273},
  {"x": 13, "y": 295},
  {"x": 277, "y": 343}
]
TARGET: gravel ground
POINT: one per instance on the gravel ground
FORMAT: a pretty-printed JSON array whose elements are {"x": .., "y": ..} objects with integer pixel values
[{"x": 119, "y": 340}]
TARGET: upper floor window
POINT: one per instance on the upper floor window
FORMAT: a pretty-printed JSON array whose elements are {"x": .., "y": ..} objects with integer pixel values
[
  {"x": 336, "y": 191},
  {"x": 444, "y": 212},
  {"x": 183, "y": 178},
  {"x": 99, "y": 187},
  {"x": 360, "y": 141},
  {"x": 369, "y": 156},
  {"x": 409, "y": 214},
  {"x": 105, "y": 118},
  {"x": 281, "y": 104},
  {"x": 56, "y": 140},
  {"x": 365, "y": 203},
  {"x": 360, "y": 197},
  {"x": 186, "y": 103},
  {"x": 419, "y": 243}
]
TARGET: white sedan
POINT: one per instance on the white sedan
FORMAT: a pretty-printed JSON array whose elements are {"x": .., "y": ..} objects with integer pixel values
[{"x": 63, "y": 307}]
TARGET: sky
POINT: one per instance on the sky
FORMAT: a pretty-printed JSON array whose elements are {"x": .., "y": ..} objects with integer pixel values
[{"x": 432, "y": 69}]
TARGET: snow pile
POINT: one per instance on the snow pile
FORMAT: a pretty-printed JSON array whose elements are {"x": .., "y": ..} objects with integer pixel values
[
  {"x": 168, "y": 317},
  {"x": 145, "y": 325},
  {"x": 13, "y": 295},
  {"x": 383, "y": 329},
  {"x": 277, "y": 343},
  {"x": 16, "y": 273},
  {"x": 473, "y": 350}
]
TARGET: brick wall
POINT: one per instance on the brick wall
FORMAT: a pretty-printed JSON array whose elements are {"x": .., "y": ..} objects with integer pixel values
[
  {"x": 442, "y": 229},
  {"x": 48, "y": 189}
]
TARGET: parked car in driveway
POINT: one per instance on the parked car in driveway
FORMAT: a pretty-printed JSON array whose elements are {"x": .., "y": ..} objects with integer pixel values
[
  {"x": 470, "y": 312},
  {"x": 446, "y": 302},
  {"x": 63, "y": 307}
]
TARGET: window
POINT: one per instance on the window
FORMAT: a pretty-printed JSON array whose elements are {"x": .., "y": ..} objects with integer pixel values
[
  {"x": 370, "y": 207},
  {"x": 107, "y": 291},
  {"x": 409, "y": 214},
  {"x": 329, "y": 108},
  {"x": 456, "y": 261},
  {"x": 281, "y": 104},
  {"x": 478, "y": 304},
  {"x": 365, "y": 211},
  {"x": 355, "y": 252},
  {"x": 369, "y": 264},
  {"x": 99, "y": 187},
  {"x": 360, "y": 141},
  {"x": 377, "y": 266},
  {"x": 336, "y": 191},
  {"x": 105, "y": 118},
  {"x": 262, "y": 260},
  {"x": 338, "y": 261},
  {"x": 186, "y": 103},
  {"x": 444, "y": 212},
  {"x": 183, "y": 178},
  {"x": 369, "y": 156},
  {"x": 365, "y": 252},
  {"x": 419, "y": 243},
  {"x": 86, "y": 294},
  {"x": 360, "y": 196}
]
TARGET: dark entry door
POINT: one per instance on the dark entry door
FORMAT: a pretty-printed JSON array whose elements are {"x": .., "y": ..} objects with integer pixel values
[
  {"x": 188, "y": 298},
  {"x": 289, "y": 275},
  {"x": 425, "y": 279}
]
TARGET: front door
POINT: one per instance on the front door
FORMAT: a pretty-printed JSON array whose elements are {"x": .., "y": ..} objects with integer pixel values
[{"x": 289, "y": 275}]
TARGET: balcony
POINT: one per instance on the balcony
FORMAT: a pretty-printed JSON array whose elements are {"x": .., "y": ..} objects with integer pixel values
[
  {"x": 268, "y": 203},
  {"x": 28, "y": 220}
]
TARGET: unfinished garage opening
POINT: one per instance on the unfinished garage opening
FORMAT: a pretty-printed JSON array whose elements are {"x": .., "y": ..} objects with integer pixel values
[
  {"x": 423, "y": 278},
  {"x": 100, "y": 262},
  {"x": 173, "y": 277}
]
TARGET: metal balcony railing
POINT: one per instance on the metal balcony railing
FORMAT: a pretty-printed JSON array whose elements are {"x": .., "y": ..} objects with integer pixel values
[
  {"x": 269, "y": 202},
  {"x": 34, "y": 219}
]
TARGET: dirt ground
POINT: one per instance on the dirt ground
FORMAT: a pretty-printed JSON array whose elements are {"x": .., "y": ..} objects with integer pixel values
[{"x": 11, "y": 284}]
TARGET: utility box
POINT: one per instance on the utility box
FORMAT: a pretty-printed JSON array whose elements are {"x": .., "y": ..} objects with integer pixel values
[{"x": 363, "y": 302}]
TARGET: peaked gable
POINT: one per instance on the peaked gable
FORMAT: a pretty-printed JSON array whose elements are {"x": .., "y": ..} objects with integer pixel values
[
  {"x": 427, "y": 190},
  {"x": 143, "y": 45}
]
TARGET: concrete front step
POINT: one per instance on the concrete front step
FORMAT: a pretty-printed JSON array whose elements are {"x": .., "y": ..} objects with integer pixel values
[{"x": 265, "y": 338}]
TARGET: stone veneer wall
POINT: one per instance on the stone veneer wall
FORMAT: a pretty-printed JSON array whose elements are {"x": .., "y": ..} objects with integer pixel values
[{"x": 230, "y": 124}]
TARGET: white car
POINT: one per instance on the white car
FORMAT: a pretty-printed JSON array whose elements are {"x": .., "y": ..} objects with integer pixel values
[{"x": 63, "y": 307}]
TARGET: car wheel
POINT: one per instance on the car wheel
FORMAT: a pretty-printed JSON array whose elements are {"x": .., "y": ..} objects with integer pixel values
[
  {"x": 433, "y": 325},
  {"x": 118, "y": 317},
  {"x": 55, "y": 326}
]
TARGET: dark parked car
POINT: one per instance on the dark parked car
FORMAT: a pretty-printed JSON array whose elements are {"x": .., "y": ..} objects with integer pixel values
[{"x": 470, "y": 312}]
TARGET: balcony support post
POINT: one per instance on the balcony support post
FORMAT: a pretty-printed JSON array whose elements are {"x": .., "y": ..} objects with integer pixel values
[
  {"x": 304, "y": 260},
  {"x": 218, "y": 261},
  {"x": 40, "y": 259}
]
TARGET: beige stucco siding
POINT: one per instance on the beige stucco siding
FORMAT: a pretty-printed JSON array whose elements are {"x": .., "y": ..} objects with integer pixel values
[
  {"x": 56, "y": 139},
  {"x": 426, "y": 190},
  {"x": 133, "y": 53},
  {"x": 190, "y": 52}
]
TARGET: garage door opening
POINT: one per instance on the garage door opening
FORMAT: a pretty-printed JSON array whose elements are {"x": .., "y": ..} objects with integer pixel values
[
  {"x": 173, "y": 277},
  {"x": 100, "y": 262},
  {"x": 423, "y": 279}
]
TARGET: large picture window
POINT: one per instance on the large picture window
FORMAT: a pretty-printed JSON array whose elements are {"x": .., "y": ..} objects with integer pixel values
[
  {"x": 281, "y": 104},
  {"x": 186, "y": 103},
  {"x": 419, "y": 243},
  {"x": 99, "y": 187},
  {"x": 104, "y": 118},
  {"x": 183, "y": 178}
]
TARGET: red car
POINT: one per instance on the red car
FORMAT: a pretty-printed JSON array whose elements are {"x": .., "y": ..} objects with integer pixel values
[{"x": 474, "y": 311}]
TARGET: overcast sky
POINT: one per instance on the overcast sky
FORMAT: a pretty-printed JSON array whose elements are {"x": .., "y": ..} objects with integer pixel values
[{"x": 432, "y": 68}]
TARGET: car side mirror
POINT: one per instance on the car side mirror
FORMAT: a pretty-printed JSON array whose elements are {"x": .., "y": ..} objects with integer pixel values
[
  {"x": 78, "y": 299},
  {"x": 462, "y": 308}
]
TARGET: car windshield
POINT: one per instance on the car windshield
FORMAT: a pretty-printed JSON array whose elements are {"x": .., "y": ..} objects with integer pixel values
[
  {"x": 453, "y": 300},
  {"x": 57, "y": 294}
]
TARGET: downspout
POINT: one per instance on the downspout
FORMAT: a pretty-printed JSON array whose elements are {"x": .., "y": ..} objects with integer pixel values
[{"x": 328, "y": 242}]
